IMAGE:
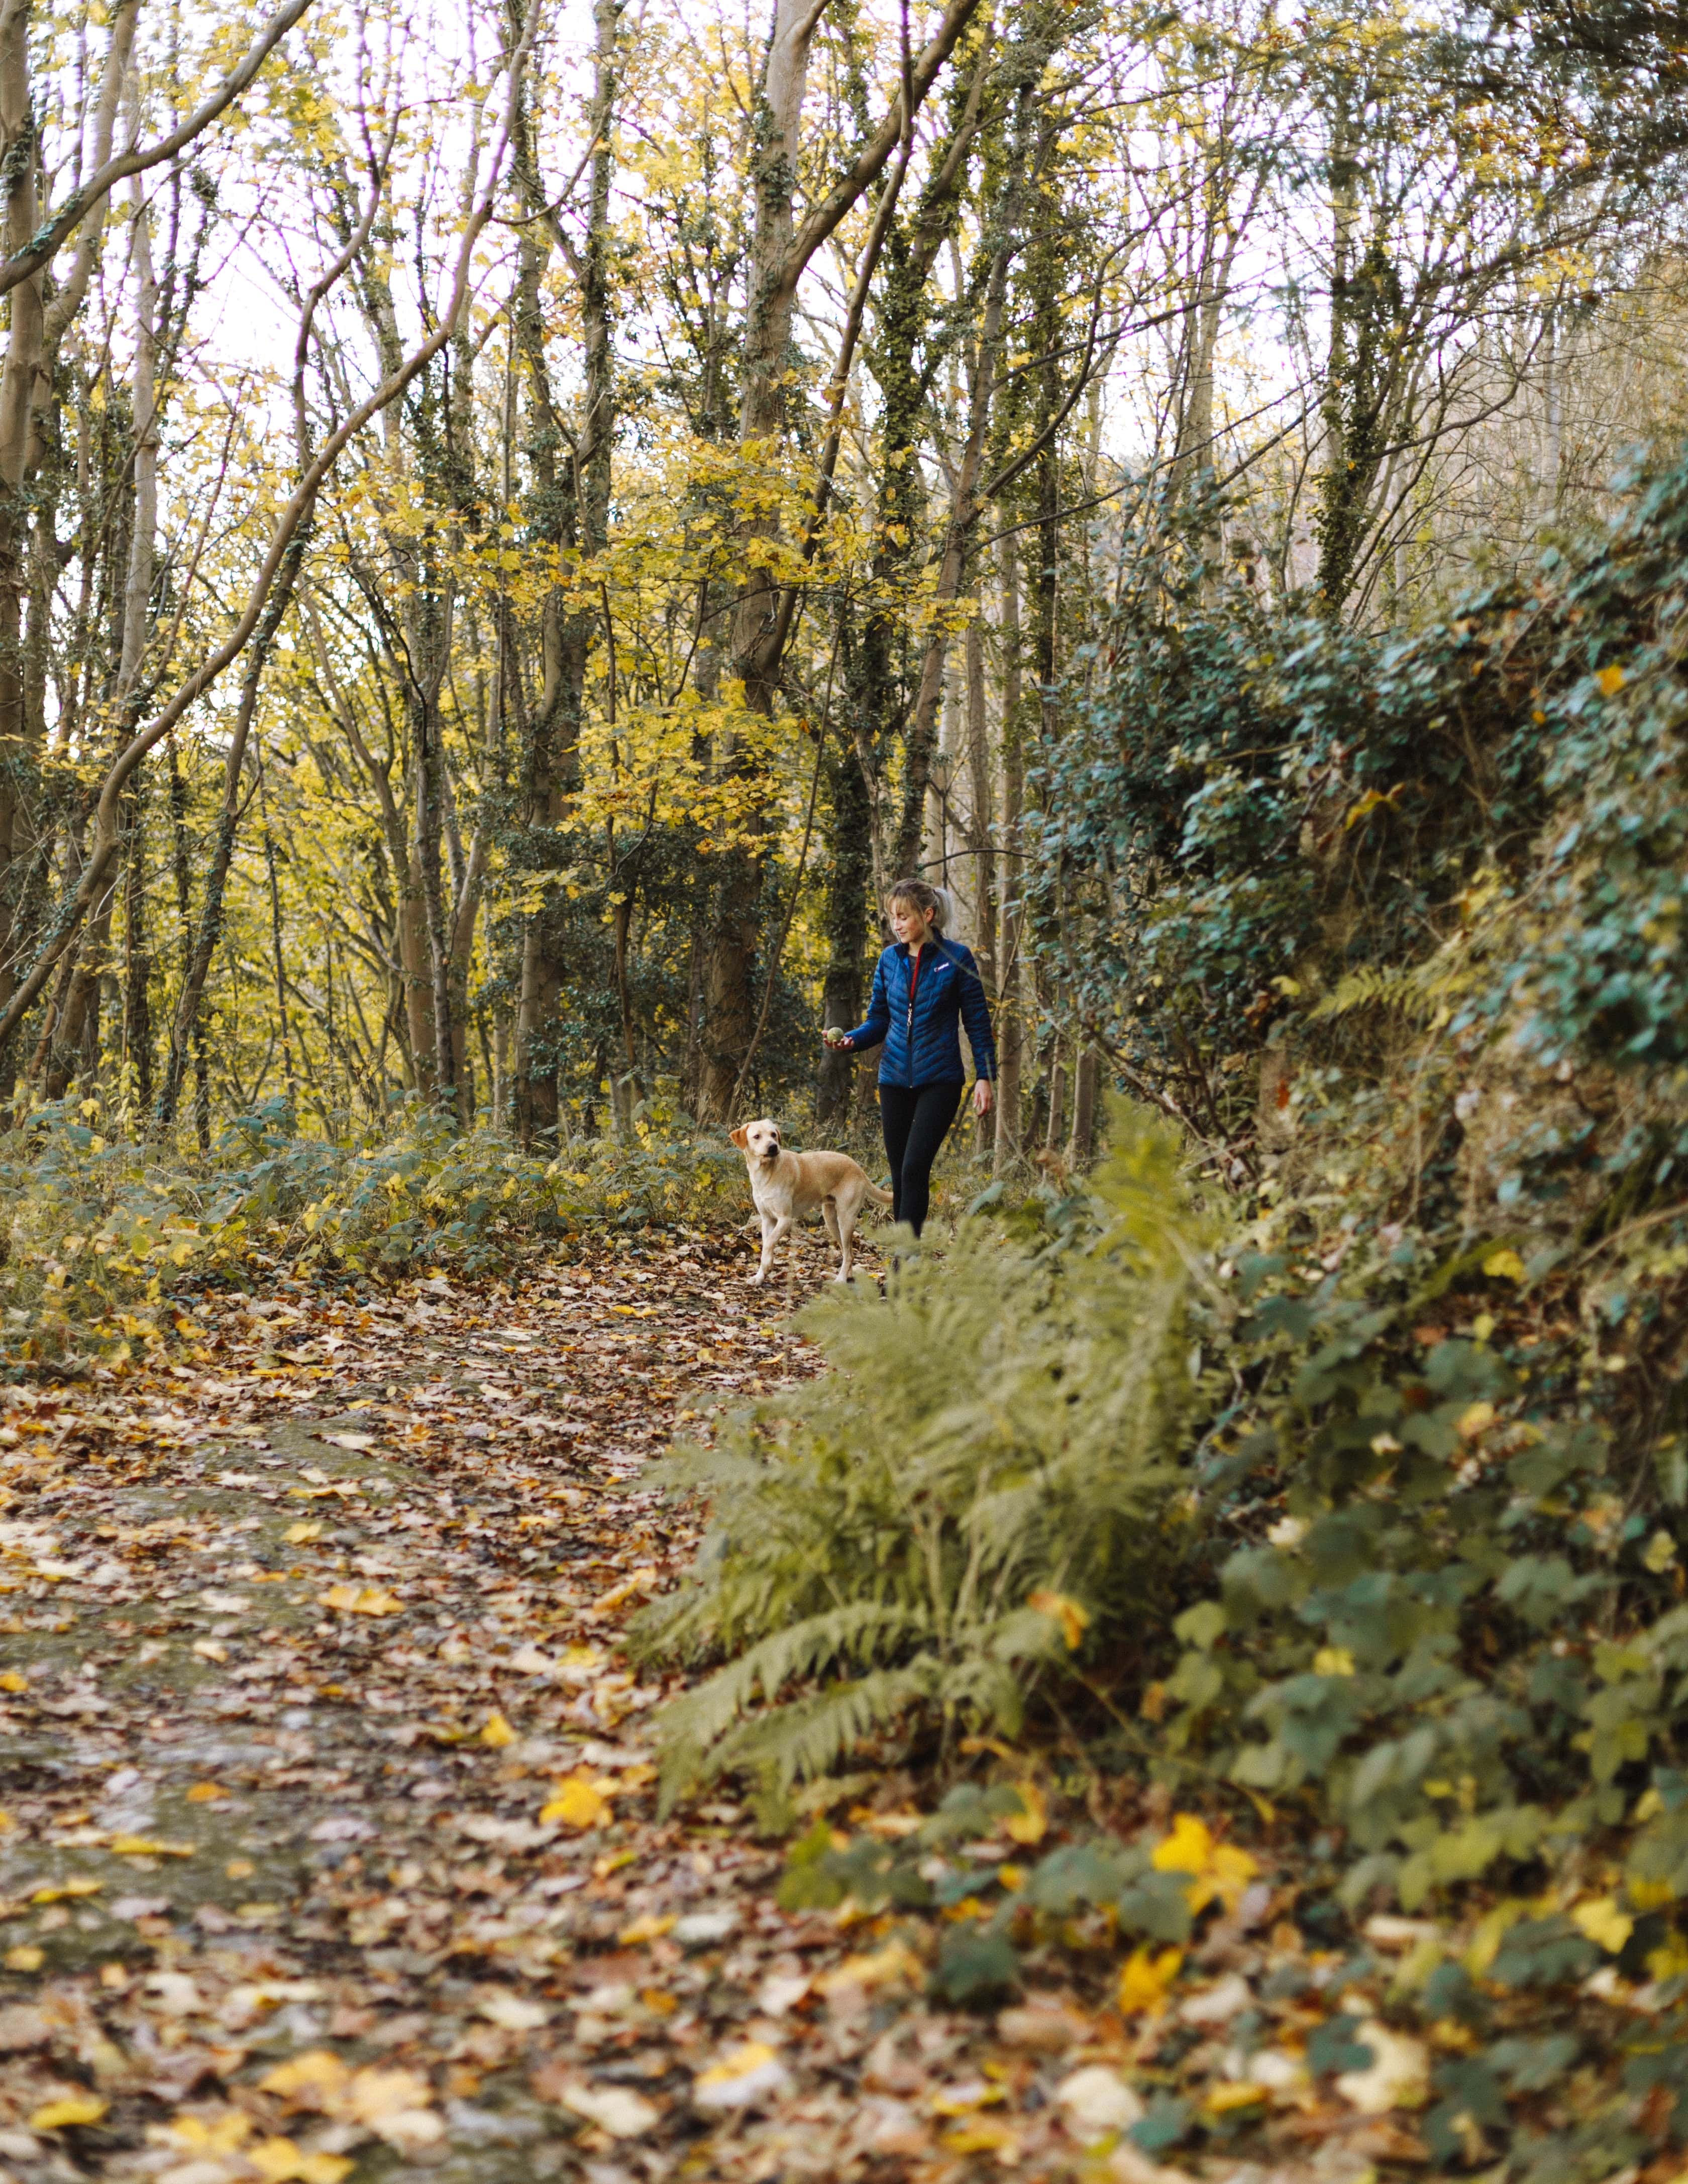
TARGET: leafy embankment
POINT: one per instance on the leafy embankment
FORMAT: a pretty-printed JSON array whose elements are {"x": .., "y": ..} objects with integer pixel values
[{"x": 1384, "y": 1579}]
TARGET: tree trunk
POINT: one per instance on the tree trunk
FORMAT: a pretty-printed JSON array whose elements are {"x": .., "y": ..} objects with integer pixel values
[
  {"x": 19, "y": 162},
  {"x": 570, "y": 511},
  {"x": 982, "y": 842},
  {"x": 1011, "y": 1028},
  {"x": 779, "y": 253}
]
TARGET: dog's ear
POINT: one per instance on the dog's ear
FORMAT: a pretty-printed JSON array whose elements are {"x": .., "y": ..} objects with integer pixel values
[{"x": 740, "y": 1136}]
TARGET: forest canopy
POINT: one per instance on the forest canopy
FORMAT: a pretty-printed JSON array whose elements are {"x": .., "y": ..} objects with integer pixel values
[{"x": 515, "y": 523}]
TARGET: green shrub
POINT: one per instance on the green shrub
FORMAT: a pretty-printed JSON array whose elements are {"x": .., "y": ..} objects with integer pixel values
[{"x": 1002, "y": 1429}]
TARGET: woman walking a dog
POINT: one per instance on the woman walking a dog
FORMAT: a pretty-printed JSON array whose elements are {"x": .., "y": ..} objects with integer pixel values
[{"x": 924, "y": 987}]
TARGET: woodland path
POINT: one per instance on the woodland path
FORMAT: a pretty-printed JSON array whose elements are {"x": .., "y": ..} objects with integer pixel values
[{"x": 300, "y": 1639}]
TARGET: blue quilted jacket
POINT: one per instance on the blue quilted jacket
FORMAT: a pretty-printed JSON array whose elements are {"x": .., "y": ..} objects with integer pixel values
[{"x": 921, "y": 1031}]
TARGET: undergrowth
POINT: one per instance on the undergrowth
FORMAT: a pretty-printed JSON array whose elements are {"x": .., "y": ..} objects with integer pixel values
[
  {"x": 1354, "y": 1519},
  {"x": 101, "y": 1235}
]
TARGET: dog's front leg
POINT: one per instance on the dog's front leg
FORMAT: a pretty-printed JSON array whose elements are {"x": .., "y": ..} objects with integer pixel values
[
  {"x": 782, "y": 1229},
  {"x": 770, "y": 1238}
]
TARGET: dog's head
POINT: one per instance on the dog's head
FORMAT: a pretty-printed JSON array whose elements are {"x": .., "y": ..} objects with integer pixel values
[{"x": 758, "y": 1141}]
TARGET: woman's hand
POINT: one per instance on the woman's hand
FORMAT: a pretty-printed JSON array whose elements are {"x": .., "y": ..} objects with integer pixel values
[
  {"x": 982, "y": 1097},
  {"x": 839, "y": 1041}
]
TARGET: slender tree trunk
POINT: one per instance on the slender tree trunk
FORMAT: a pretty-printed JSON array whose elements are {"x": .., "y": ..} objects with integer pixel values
[
  {"x": 982, "y": 843},
  {"x": 571, "y": 509},
  {"x": 779, "y": 253},
  {"x": 187, "y": 1029},
  {"x": 1009, "y": 975},
  {"x": 19, "y": 166},
  {"x": 1086, "y": 1077}
]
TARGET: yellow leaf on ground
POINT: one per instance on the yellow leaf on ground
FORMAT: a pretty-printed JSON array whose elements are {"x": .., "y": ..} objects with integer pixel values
[
  {"x": 579, "y": 1801},
  {"x": 222, "y": 2136},
  {"x": 375, "y": 2096},
  {"x": 1611, "y": 680},
  {"x": 651, "y": 1928},
  {"x": 987, "y": 2136},
  {"x": 80, "y": 1885},
  {"x": 25, "y": 1957},
  {"x": 1216, "y": 1868},
  {"x": 1333, "y": 1661},
  {"x": 296, "y": 1537},
  {"x": 737, "y": 2063},
  {"x": 74, "y": 2108},
  {"x": 1143, "y": 1979},
  {"x": 360, "y": 1600},
  {"x": 1031, "y": 1824},
  {"x": 1603, "y": 1922},
  {"x": 497, "y": 1732},
  {"x": 895, "y": 1961},
  {"x": 206, "y": 1793},
  {"x": 1504, "y": 1265},
  {"x": 1074, "y": 1619},
  {"x": 279, "y": 2161},
  {"x": 151, "y": 1846},
  {"x": 1187, "y": 1849},
  {"x": 12, "y": 1681},
  {"x": 318, "y": 2070},
  {"x": 963, "y": 2099},
  {"x": 1222, "y": 2100}
]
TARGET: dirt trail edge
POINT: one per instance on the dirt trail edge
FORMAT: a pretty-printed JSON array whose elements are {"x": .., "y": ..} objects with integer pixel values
[{"x": 330, "y": 1846}]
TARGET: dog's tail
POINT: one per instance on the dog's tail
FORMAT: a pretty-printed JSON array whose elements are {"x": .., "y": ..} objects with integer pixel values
[{"x": 879, "y": 1197}]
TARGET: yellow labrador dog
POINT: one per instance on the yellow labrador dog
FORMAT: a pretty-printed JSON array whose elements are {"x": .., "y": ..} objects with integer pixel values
[{"x": 787, "y": 1187}]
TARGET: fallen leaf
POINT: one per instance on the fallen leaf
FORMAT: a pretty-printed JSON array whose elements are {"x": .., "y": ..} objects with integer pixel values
[
  {"x": 514, "y": 2012},
  {"x": 25, "y": 1957},
  {"x": 1096, "y": 2102},
  {"x": 74, "y": 2108},
  {"x": 295, "y": 1535},
  {"x": 579, "y": 1801},
  {"x": 319, "y": 2070},
  {"x": 360, "y": 1600},
  {"x": 206, "y": 1793},
  {"x": 151, "y": 1846},
  {"x": 615, "y": 2109},
  {"x": 497, "y": 1732},
  {"x": 279, "y": 2161},
  {"x": 896, "y": 1961},
  {"x": 749, "y": 2072},
  {"x": 651, "y": 1928},
  {"x": 1145, "y": 1978},
  {"x": 1397, "y": 2076},
  {"x": 12, "y": 1681},
  {"x": 987, "y": 2135},
  {"x": 1216, "y": 1868},
  {"x": 221, "y": 2136}
]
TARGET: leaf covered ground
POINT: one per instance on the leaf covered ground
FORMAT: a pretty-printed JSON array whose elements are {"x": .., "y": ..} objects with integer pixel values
[{"x": 330, "y": 1848}]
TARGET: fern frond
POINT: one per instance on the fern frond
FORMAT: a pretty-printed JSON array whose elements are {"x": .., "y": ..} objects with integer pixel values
[
  {"x": 855, "y": 1631},
  {"x": 805, "y": 1738}
]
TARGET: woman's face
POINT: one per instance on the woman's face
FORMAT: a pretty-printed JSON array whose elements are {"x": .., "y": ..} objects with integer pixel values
[{"x": 910, "y": 923}]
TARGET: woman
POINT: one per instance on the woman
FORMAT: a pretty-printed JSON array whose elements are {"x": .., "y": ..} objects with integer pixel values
[{"x": 924, "y": 986}]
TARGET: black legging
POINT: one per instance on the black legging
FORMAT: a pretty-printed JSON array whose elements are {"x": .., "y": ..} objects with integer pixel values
[{"x": 914, "y": 1118}]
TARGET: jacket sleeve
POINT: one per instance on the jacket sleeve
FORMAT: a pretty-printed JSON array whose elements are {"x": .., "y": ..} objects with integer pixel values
[
  {"x": 976, "y": 1014},
  {"x": 871, "y": 1032}
]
